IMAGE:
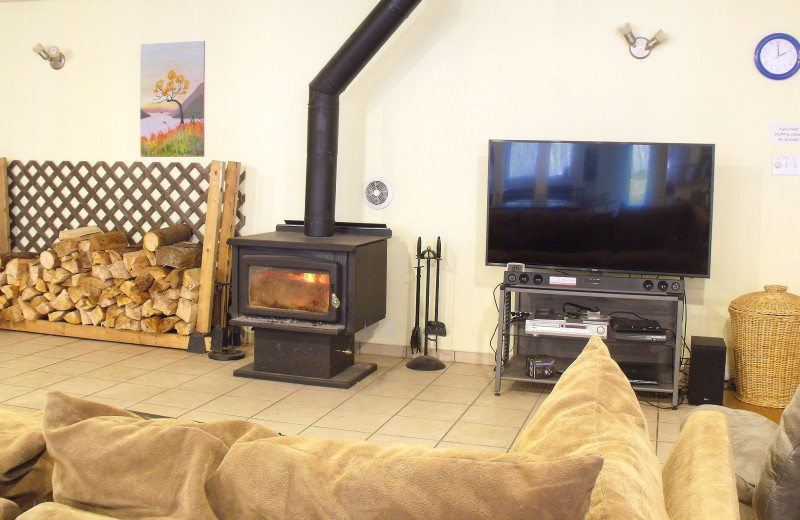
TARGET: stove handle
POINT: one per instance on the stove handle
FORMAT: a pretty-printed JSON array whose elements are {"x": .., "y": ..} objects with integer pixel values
[{"x": 335, "y": 301}]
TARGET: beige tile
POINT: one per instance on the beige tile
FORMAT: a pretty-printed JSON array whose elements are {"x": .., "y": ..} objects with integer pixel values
[
  {"x": 433, "y": 410},
  {"x": 332, "y": 433},
  {"x": 459, "y": 381},
  {"x": 167, "y": 353},
  {"x": 293, "y": 413},
  {"x": 105, "y": 357},
  {"x": 128, "y": 348},
  {"x": 319, "y": 396},
  {"x": 10, "y": 372},
  {"x": 663, "y": 450},
  {"x": 157, "y": 409},
  {"x": 20, "y": 409},
  {"x": 650, "y": 413},
  {"x": 267, "y": 390},
  {"x": 374, "y": 403},
  {"x": 29, "y": 362},
  {"x": 463, "y": 446},
  {"x": 81, "y": 386},
  {"x": 668, "y": 432},
  {"x": 35, "y": 379},
  {"x": 190, "y": 366},
  {"x": 495, "y": 416},
  {"x": 144, "y": 361},
  {"x": 433, "y": 429},
  {"x": 70, "y": 367},
  {"x": 388, "y": 440},
  {"x": 449, "y": 395},
  {"x": 161, "y": 378},
  {"x": 214, "y": 385},
  {"x": 401, "y": 374},
  {"x": 181, "y": 398},
  {"x": 12, "y": 336},
  {"x": 5, "y": 357},
  {"x": 31, "y": 399},
  {"x": 11, "y": 391},
  {"x": 282, "y": 428},
  {"x": 482, "y": 434},
  {"x": 353, "y": 420},
  {"x": 675, "y": 416},
  {"x": 51, "y": 340},
  {"x": 388, "y": 388},
  {"x": 116, "y": 373},
  {"x": 91, "y": 344},
  {"x": 65, "y": 352},
  {"x": 24, "y": 348},
  {"x": 509, "y": 399},
  {"x": 128, "y": 392},
  {"x": 238, "y": 406},
  {"x": 467, "y": 369},
  {"x": 204, "y": 416}
]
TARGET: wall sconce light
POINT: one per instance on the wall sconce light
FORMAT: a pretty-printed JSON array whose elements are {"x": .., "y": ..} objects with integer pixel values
[
  {"x": 51, "y": 54},
  {"x": 640, "y": 47}
]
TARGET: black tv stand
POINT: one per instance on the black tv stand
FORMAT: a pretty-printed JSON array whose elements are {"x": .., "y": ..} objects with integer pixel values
[{"x": 612, "y": 296}]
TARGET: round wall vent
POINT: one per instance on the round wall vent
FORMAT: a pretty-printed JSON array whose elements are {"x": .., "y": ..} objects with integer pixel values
[{"x": 377, "y": 193}]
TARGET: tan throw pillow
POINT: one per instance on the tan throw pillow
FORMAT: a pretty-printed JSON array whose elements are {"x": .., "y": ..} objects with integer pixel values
[
  {"x": 592, "y": 409},
  {"x": 25, "y": 468},
  {"x": 53, "y": 511},
  {"x": 120, "y": 465},
  {"x": 777, "y": 494},
  {"x": 321, "y": 479}
]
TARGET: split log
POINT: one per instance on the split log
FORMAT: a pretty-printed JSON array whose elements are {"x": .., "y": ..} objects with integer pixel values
[
  {"x": 9, "y": 291},
  {"x": 13, "y": 313},
  {"x": 78, "y": 232},
  {"x": 63, "y": 302},
  {"x": 172, "y": 293},
  {"x": 168, "y": 323},
  {"x": 49, "y": 259},
  {"x": 100, "y": 257},
  {"x": 61, "y": 275},
  {"x": 40, "y": 285},
  {"x": 97, "y": 315},
  {"x": 125, "y": 323},
  {"x": 175, "y": 277},
  {"x": 159, "y": 285},
  {"x": 152, "y": 324},
  {"x": 109, "y": 323},
  {"x": 73, "y": 317},
  {"x": 85, "y": 262},
  {"x": 56, "y": 315},
  {"x": 135, "y": 258},
  {"x": 184, "y": 328},
  {"x": 148, "y": 311},
  {"x": 65, "y": 247},
  {"x": 71, "y": 265},
  {"x": 35, "y": 270},
  {"x": 180, "y": 255},
  {"x": 166, "y": 306},
  {"x": 50, "y": 296},
  {"x": 151, "y": 257},
  {"x": 110, "y": 240},
  {"x": 86, "y": 318},
  {"x": 144, "y": 281},
  {"x": 47, "y": 274},
  {"x": 29, "y": 312},
  {"x": 133, "y": 311},
  {"x": 102, "y": 272},
  {"x": 123, "y": 299},
  {"x": 3, "y": 301},
  {"x": 186, "y": 310},
  {"x": 166, "y": 236},
  {"x": 84, "y": 246},
  {"x": 44, "y": 308},
  {"x": 27, "y": 293},
  {"x": 17, "y": 266},
  {"x": 191, "y": 279},
  {"x": 190, "y": 294},
  {"x": 5, "y": 257},
  {"x": 119, "y": 271}
]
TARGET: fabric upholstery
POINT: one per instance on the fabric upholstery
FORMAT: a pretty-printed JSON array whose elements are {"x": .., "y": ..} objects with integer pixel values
[
  {"x": 777, "y": 495},
  {"x": 25, "y": 467},
  {"x": 751, "y": 435},
  {"x": 112, "y": 462},
  {"x": 299, "y": 477},
  {"x": 8, "y": 510},
  {"x": 54, "y": 511},
  {"x": 591, "y": 409},
  {"x": 703, "y": 450}
]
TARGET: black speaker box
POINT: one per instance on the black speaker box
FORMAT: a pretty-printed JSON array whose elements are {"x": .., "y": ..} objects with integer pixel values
[{"x": 707, "y": 370}]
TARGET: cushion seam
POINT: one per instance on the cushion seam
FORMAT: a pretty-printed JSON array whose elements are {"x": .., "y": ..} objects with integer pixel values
[{"x": 778, "y": 477}]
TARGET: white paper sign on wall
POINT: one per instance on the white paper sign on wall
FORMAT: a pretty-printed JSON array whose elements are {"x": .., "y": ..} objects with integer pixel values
[
  {"x": 786, "y": 165},
  {"x": 784, "y": 133}
]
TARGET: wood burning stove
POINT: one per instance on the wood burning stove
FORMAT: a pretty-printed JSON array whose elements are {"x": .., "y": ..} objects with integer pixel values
[{"x": 306, "y": 297}]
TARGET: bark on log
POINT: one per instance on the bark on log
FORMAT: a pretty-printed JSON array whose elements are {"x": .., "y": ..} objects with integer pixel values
[
  {"x": 166, "y": 236},
  {"x": 65, "y": 247},
  {"x": 180, "y": 255},
  {"x": 110, "y": 240},
  {"x": 78, "y": 232}
]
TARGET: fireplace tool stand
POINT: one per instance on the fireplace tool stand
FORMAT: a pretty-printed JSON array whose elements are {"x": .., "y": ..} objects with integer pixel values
[
  {"x": 223, "y": 334},
  {"x": 435, "y": 328}
]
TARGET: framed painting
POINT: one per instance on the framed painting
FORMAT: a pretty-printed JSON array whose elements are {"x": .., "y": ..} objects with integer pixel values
[{"x": 172, "y": 99}]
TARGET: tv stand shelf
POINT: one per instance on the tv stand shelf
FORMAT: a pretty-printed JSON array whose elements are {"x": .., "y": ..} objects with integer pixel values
[{"x": 514, "y": 345}]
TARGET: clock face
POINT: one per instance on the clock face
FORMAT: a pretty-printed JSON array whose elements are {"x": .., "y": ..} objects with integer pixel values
[{"x": 778, "y": 56}]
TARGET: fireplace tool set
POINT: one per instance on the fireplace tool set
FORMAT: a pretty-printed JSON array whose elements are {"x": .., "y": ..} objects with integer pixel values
[{"x": 433, "y": 328}]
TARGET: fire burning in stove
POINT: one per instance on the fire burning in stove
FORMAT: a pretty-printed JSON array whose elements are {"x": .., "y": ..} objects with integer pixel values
[{"x": 274, "y": 288}]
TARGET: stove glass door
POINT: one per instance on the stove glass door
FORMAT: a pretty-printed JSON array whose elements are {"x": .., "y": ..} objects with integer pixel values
[{"x": 277, "y": 288}]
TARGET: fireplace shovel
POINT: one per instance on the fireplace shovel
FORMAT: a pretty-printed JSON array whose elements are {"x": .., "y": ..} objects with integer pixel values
[
  {"x": 416, "y": 342},
  {"x": 426, "y": 362},
  {"x": 436, "y": 327}
]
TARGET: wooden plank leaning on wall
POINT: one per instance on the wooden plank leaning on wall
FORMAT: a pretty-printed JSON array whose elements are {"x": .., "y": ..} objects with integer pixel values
[{"x": 208, "y": 269}]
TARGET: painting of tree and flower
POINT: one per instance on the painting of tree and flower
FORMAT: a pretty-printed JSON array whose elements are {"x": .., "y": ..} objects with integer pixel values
[{"x": 172, "y": 99}]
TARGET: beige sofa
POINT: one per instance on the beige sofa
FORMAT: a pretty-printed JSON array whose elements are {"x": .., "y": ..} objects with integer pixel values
[{"x": 585, "y": 454}]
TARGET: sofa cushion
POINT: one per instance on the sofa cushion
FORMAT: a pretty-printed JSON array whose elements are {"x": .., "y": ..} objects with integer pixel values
[
  {"x": 54, "y": 511},
  {"x": 592, "y": 408},
  {"x": 298, "y": 477},
  {"x": 8, "y": 510},
  {"x": 751, "y": 435},
  {"x": 112, "y": 462},
  {"x": 777, "y": 495},
  {"x": 25, "y": 468}
]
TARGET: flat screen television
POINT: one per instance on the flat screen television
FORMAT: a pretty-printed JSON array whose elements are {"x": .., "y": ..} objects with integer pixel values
[{"x": 637, "y": 208}]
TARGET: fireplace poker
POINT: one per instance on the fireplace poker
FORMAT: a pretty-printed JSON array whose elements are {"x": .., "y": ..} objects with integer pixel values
[
  {"x": 436, "y": 327},
  {"x": 415, "y": 339},
  {"x": 425, "y": 362}
]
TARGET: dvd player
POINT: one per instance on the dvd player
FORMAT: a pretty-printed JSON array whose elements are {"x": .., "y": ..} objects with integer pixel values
[{"x": 566, "y": 328}]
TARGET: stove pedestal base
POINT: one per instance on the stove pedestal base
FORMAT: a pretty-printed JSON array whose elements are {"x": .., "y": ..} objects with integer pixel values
[{"x": 344, "y": 379}]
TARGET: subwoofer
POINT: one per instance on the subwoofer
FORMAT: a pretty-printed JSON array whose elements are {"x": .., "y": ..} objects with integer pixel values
[{"x": 707, "y": 370}]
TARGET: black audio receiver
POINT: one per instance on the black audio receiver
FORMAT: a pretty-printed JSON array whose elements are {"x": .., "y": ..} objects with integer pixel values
[{"x": 603, "y": 283}]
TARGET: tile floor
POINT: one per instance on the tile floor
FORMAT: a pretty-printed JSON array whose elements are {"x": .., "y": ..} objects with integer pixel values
[{"x": 452, "y": 408}]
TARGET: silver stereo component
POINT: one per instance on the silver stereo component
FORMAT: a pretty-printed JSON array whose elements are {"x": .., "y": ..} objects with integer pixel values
[{"x": 567, "y": 328}]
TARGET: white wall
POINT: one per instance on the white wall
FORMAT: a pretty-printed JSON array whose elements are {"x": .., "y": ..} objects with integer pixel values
[{"x": 456, "y": 74}]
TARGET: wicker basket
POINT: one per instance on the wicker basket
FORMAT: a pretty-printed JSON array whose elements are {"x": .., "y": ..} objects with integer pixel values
[{"x": 766, "y": 346}]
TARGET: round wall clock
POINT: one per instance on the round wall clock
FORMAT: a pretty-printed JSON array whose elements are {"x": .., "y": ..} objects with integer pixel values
[{"x": 777, "y": 56}]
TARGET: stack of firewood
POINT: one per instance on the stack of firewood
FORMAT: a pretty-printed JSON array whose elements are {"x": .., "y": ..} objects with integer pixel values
[{"x": 91, "y": 277}]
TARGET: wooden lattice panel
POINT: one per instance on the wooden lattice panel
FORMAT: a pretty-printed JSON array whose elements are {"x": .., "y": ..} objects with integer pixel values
[{"x": 47, "y": 198}]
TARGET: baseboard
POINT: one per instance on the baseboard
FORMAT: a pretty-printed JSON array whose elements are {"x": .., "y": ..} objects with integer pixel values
[{"x": 448, "y": 356}]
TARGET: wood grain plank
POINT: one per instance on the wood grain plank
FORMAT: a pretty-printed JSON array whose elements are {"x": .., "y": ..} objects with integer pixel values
[
  {"x": 210, "y": 245},
  {"x": 5, "y": 216}
]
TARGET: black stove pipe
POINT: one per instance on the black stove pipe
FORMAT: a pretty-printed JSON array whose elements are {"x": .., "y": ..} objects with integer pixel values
[{"x": 323, "y": 109}]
